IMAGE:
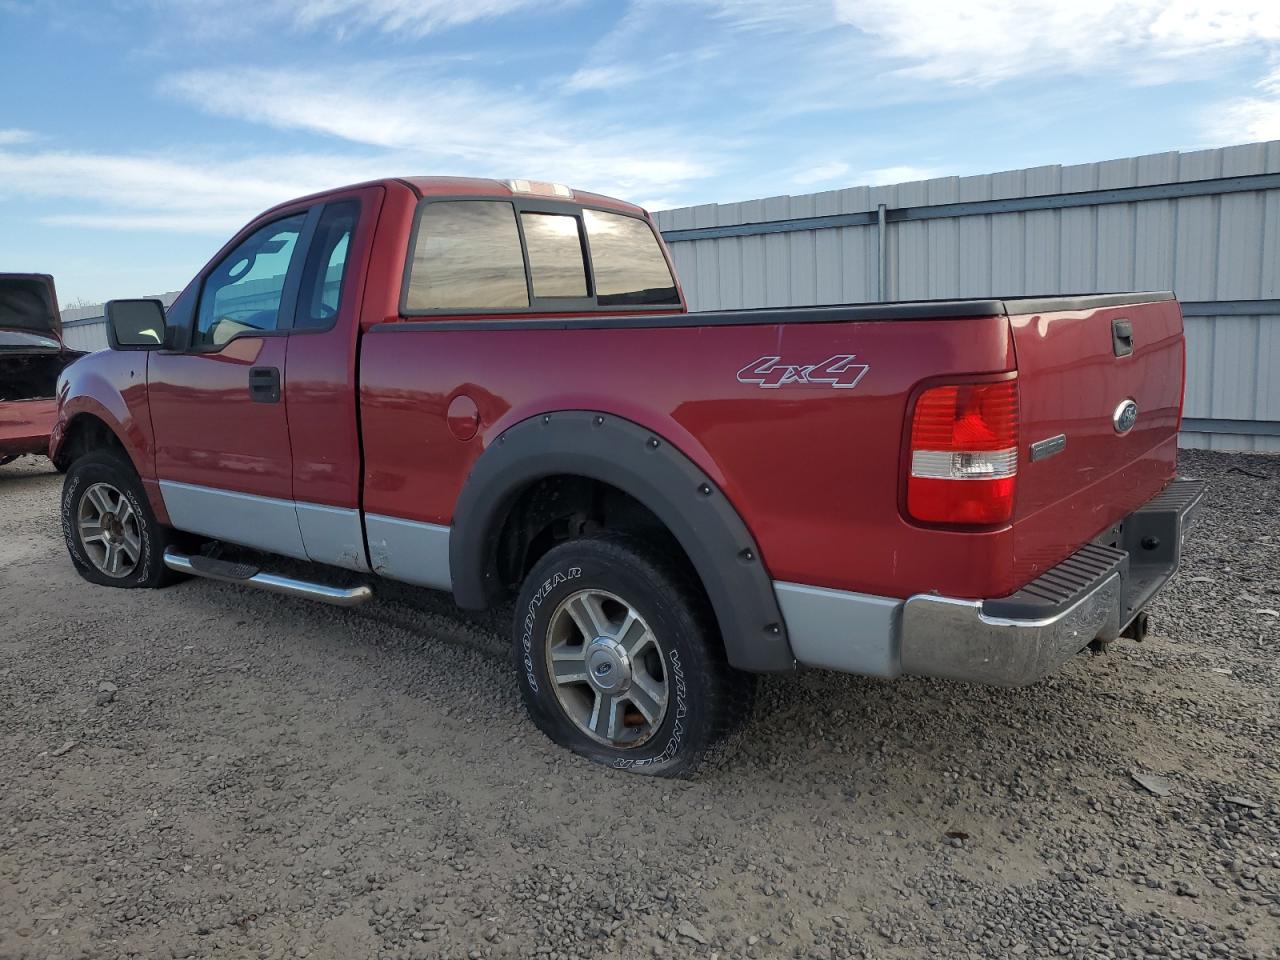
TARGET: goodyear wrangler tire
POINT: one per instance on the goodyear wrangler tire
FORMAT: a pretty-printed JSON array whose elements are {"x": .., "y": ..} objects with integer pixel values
[
  {"x": 618, "y": 659},
  {"x": 111, "y": 533}
]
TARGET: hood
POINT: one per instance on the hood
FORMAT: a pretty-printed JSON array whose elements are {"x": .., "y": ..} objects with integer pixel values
[{"x": 29, "y": 304}]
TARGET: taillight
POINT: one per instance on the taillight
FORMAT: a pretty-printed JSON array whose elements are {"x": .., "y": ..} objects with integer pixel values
[{"x": 964, "y": 453}]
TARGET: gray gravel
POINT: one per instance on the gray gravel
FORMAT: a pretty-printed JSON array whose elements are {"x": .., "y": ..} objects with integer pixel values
[{"x": 209, "y": 772}]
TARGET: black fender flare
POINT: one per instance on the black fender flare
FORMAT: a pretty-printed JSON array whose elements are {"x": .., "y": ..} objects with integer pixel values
[{"x": 639, "y": 462}]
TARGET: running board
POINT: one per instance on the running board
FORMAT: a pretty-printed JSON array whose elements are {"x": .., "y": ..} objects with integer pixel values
[{"x": 251, "y": 576}]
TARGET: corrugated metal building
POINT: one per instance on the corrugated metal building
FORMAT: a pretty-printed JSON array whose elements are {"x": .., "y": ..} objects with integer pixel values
[
  {"x": 88, "y": 332},
  {"x": 1205, "y": 225}
]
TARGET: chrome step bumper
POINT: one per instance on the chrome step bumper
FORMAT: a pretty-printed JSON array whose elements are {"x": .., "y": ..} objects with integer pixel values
[
  {"x": 1096, "y": 593},
  {"x": 1093, "y": 594}
]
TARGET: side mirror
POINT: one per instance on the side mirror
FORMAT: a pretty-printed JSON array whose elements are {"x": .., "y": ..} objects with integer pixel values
[{"x": 135, "y": 324}]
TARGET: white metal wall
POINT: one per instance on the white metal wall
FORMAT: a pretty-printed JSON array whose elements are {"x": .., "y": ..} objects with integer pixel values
[
  {"x": 1207, "y": 249},
  {"x": 87, "y": 335}
]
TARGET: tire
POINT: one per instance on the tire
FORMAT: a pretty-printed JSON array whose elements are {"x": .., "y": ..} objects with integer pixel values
[
  {"x": 654, "y": 633},
  {"x": 94, "y": 484}
]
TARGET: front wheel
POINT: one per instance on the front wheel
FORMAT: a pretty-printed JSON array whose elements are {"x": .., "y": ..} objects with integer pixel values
[
  {"x": 112, "y": 535},
  {"x": 619, "y": 660}
]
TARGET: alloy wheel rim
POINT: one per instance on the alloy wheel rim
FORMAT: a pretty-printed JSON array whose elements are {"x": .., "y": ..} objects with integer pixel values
[
  {"x": 109, "y": 530},
  {"x": 607, "y": 669}
]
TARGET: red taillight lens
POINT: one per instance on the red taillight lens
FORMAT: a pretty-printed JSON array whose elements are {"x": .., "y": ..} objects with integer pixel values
[{"x": 964, "y": 453}]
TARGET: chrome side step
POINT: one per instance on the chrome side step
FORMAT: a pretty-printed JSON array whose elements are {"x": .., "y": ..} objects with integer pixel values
[{"x": 253, "y": 577}]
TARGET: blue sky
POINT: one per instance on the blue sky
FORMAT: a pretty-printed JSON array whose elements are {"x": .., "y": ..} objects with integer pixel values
[{"x": 137, "y": 135}]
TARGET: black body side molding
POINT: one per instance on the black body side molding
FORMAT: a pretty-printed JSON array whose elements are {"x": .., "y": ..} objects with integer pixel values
[{"x": 637, "y": 461}]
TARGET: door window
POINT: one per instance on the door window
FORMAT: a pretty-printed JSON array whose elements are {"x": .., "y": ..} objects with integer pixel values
[
  {"x": 322, "y": 277},
  {"x": 242, "y": 294}
]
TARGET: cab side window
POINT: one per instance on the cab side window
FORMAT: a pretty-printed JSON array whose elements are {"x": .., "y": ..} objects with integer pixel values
[
  {"x": 242, "y": 293},
  {"x": 467, "y": 256},
  {"x": 629, "y": 266}
]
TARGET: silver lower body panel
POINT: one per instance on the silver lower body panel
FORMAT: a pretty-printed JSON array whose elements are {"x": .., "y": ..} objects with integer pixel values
[{"x": 409, "y": 550}]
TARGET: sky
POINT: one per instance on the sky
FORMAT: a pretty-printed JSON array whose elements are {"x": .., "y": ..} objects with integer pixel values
[{"x": 137, "y": 135}]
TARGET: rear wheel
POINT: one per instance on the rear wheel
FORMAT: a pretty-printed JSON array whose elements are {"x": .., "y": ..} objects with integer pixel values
[
  {"x": 112, "y": 535},
  {"x": 619, "y": 659}
]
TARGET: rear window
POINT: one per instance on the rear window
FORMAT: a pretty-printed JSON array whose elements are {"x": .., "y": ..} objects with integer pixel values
[
  {"x": 629, "y": 266},
  {"x": 467, "y": 256},
  {"x": 555, "y": 255}
]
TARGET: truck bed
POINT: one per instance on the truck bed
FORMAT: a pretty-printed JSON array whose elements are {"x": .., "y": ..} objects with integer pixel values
[{"x": 817, "y": 471}]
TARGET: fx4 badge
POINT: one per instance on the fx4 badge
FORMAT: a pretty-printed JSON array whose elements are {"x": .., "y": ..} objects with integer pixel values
[{"x": 839, "y": 372}]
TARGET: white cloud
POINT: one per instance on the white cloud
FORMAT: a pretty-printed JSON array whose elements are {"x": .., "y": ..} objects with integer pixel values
[
  {"x": 981, "y": 42},
  {"x": 1248, "y": 119},
  {"x": 149, "y": 192},
  {"x": 429, "y": 126},
  {"x": 772, "y": 17},
  {"x": 839, "y": 174},
  {"x": 407, "y": 18},
  {"x": 822, "y": 173},
  {"x": 13, "y": 135},
  {"x": 415, "y": 17},
  {"x": 986, "y": 41},
  {"x": 603, "y": 78},
  {"x": 883, "y": 176},
  {"x": 452, "y": 126}
]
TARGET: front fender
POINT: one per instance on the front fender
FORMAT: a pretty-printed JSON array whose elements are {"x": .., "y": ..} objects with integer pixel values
[
  {"x": 110, "y": 387},
  {"x": 646, "y": 466}
]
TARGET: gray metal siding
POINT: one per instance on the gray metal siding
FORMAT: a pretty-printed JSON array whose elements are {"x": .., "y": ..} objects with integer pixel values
[
  {"x": 1219, "y": 247},
  {"x": 88, "y": 335}
]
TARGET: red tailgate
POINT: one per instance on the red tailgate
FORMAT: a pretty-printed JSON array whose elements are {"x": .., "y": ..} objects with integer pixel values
[{"x": 1072, "y": 383}]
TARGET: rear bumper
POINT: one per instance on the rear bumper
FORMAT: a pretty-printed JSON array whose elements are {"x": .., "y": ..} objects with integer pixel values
[{"x": 1095, "y": 593}]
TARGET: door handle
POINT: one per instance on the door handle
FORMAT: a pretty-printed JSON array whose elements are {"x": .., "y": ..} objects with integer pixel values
[{"x": 264, "y": 384}]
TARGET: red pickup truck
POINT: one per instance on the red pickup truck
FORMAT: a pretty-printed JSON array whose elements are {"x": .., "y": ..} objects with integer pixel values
[{"x": 494, "y": 389}]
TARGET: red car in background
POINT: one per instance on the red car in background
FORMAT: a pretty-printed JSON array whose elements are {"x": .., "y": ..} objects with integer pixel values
[{"x": 32, "y": 355}]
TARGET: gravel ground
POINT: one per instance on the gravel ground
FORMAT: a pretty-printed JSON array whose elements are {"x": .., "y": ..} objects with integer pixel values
[{"x": 206, "y": 771}]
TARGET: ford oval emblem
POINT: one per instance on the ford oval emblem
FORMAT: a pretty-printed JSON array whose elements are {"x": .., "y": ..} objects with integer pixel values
[{"x": 1125, "y": 417}]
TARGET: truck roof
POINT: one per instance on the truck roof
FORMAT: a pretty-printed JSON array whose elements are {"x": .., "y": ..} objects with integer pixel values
[{"x": 470, "y": 187}]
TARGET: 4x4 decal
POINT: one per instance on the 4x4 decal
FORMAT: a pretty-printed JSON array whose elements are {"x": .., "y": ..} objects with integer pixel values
[{"x": 839, "y": 372}]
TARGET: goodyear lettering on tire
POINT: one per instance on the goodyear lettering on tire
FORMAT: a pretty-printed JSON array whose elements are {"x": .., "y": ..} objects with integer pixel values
[{"x": 526, "y": 641}]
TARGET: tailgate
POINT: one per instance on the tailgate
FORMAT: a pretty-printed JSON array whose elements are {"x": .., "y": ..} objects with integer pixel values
[{"x": 1077, "y": 368}]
